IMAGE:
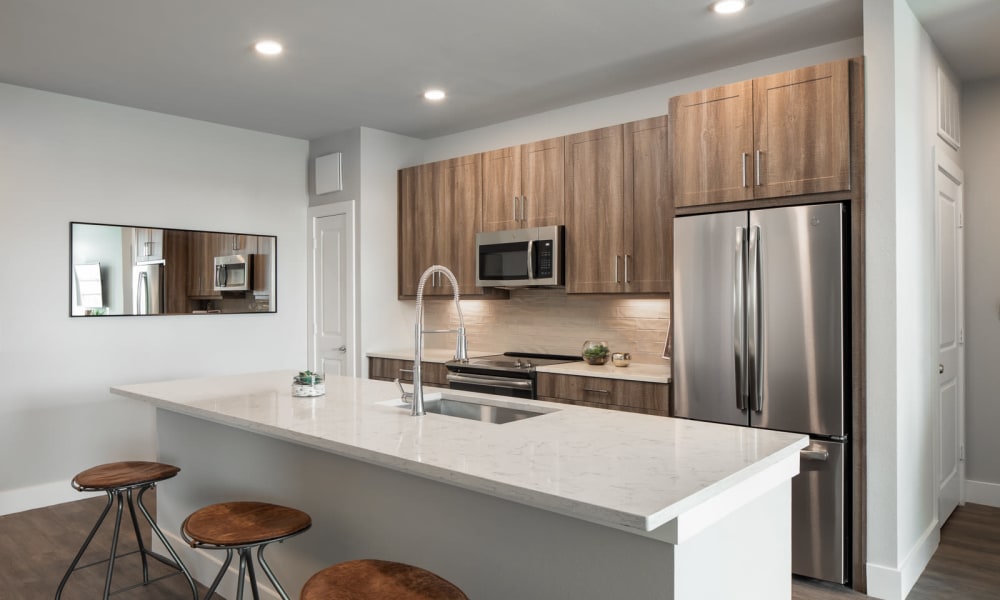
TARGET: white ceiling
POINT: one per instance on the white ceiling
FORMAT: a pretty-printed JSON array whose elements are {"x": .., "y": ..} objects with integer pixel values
[
  {"x": 966, "y": 32},
  {"x": 365, "y": 62}
]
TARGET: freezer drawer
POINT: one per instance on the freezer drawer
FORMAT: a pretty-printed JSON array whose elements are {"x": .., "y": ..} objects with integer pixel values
[{"x": 818, "y": 505}]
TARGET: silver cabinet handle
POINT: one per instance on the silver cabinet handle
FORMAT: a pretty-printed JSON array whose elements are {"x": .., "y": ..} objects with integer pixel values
[
  {"x": 514, "y": 206},
  {"x": 616, "y": 267},
  {"x": 739, "y": 322},
  {"x": 626, "y": 268},
  {"x": 757, "y": 166},
  {"x": 596, "y": 391},
  {"x": 744, "y": 164},
  {"x": 822, "y": 455},
  {"x": 524, "y": 200}
]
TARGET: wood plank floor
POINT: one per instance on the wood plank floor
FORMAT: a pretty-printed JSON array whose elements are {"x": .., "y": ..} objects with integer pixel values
[
  {"x": 966, "y": 565},
  {"x": 36, "y": 546}
]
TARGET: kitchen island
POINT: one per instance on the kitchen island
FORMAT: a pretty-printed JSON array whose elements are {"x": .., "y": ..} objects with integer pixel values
[{"x": 574, "y": 503}]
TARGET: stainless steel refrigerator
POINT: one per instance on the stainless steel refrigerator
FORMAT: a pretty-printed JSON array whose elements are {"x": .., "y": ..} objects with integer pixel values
[
  {"x": 148, "y": 289},
  {"x": 759, "y": 340}
]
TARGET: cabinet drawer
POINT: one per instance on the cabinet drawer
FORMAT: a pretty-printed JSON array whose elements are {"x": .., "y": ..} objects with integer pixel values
[
  {"x": 387, "y": 369},
  {"x": 605, "y": 392}
]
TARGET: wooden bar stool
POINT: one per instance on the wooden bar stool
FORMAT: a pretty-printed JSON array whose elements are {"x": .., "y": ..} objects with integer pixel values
[
  {"x": 118, "y": 480},
  {"x": 378, "y": 580},
  {"x": 243, "y": 526}
]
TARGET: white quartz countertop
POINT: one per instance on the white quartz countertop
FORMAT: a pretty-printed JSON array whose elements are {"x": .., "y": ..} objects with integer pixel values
[
  {"x": 654, "y": 373},
  {"x": 629, "y": 471}
]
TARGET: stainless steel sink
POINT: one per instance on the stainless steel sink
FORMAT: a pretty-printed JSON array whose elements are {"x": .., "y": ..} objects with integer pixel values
[
  {"x": 475, "y": 409},
  {"x": 478, "y": 412}
]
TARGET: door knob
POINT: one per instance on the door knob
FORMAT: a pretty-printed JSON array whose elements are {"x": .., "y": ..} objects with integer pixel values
[
  {"x": 342, "y": 349},
  {"x": 940, "y": 368}
]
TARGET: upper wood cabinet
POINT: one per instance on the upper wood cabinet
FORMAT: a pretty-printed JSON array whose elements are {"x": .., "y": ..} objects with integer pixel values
[
  {"x": 595, "y": 210},
  {"x": 649, "y": 213},
  {"x": 523, "y": 186},
  {"x": 619, "y": 215},
  {"x": 782, "y": 135},
  {"x": 440, "y": 211}
]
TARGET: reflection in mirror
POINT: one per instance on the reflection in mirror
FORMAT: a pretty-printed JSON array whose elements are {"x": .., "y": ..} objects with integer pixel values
[{"x": 122, "y": 270}]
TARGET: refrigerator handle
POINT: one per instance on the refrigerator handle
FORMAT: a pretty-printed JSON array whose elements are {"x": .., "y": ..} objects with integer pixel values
[
  {"x": 142, "y": 294},
  {"x": 755, "y": 318},
  {"x": 739, "y": 321}
]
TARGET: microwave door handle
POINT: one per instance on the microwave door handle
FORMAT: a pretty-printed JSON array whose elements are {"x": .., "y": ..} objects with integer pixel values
[
  {"x": 531, "y": 250},
  {"x": 220, "y": 275}
]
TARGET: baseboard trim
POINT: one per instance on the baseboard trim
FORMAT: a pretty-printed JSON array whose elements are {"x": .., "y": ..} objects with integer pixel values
[
  {"x": 890, "y": 583},
  {"x": 982, "y": 492},
  {"x": 204, "y": 565},
  {"x": 37, "y": 496}
]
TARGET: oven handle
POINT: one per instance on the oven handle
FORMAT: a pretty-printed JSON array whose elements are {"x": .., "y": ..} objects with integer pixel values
[{"x": 503, "y": 382}]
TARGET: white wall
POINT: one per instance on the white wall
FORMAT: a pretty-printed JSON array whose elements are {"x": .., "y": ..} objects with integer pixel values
[
  {"x": 622, "y": 108},
  {"x": 980, "y": 150},
  {"x": 67, "y": 159},
  {"x": 901, "y": 305}
]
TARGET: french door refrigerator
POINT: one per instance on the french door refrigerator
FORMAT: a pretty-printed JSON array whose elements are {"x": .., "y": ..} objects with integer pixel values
[{"x": 760, "y": 330}]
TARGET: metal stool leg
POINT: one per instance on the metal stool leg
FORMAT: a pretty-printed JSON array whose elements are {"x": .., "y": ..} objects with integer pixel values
[
  {"x": 270, "y": 575},
  {"x": 138, "y": 538},
  {"x": 114, "y": 544},
  {"x": 243, "y": 567},
  {"x": 222, "y": 571},
  {"x": 253, "y": 575},
  {"x": 159, "y": 534},
  {"x": 83, "y": 548}
]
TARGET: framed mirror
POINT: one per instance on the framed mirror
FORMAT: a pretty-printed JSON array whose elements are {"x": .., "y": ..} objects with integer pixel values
[{"x": 118, "y": 270}]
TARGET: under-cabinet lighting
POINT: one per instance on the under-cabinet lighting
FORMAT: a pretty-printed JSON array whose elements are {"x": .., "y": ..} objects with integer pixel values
[{"x": 728, "y": 7}]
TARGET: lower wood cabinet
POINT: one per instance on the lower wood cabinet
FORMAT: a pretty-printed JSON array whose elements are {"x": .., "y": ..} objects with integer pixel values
[
  {"x": 602, "y": 392},
  {"x": 388, "y": 369}
]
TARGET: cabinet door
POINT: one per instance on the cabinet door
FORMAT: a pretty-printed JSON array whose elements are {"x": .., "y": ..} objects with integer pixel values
[
  {"x": 594, "y": 211},
  {"x": 542, "y": 183},
  {"x": 712, "y": 132},
  {"x": 417, "y": 217},
  {"x": 502, "y": 189},
  {"x": 802, "y": 131},
  {"x": 648, "y": 208},
  {"x": 459, "y": 218},
  {"x": 176, "y": 279}
]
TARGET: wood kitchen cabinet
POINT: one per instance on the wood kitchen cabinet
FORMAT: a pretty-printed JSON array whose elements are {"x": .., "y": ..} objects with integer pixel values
[
  {"x": 147, "y": 245},
  {"x": 603, "y": 392},
  {"x": 440, "y": 212},
  {"x": 202, "y": 250},
  {"x": 618, "y": 209},
  {"x": 523, "y": 186},
  {"x": 388, "y": 369},
  {"x": 782, "y": 135}
]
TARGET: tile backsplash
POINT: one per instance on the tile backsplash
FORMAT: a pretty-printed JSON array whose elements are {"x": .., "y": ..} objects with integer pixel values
[{"x": 553, "y": 322}]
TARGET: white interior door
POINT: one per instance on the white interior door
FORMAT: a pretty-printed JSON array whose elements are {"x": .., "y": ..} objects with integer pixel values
[
  {"x": 951, "y": 333},
  {"x": 332, "y": 348}
]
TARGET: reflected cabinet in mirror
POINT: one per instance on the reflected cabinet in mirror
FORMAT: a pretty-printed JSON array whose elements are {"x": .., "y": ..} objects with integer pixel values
[{"x": 128, "y": 270}]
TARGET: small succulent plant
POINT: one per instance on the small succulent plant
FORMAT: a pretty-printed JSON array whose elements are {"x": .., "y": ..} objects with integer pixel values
[
  {"x": 596, "y": 351},
  {"x": 308, "y": 378}
]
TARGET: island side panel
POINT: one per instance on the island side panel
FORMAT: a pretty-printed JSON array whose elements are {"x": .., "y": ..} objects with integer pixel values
[{"x": 491, "y": 548}]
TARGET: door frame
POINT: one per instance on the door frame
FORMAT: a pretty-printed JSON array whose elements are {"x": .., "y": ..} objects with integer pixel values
[
  {"x": 347, "y": 208},
  {"x": 949, "y": 168}
]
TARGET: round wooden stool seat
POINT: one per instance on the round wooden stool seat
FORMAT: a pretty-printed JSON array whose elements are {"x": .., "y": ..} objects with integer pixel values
[
  {"x": 123, "y": 474},
  {"x": 232, "y": 524},
  {"x": 378, "y": 579}
]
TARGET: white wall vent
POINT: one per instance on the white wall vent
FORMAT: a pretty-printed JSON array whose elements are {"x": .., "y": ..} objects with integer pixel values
[{"x": 949, "y": 110}]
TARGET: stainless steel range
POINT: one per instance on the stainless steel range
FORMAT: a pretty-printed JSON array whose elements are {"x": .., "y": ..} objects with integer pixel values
[{"x": 508, "y": 374}]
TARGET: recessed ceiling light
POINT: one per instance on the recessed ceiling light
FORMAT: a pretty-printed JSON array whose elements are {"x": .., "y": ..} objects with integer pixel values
[
  {"x": 728, "y": 7},
  {"x": 268, "y": 47},
  {"x": 434, "y": 95}
]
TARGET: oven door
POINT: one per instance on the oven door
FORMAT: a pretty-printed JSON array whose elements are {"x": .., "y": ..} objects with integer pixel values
[{"x": 491, "y": 384}]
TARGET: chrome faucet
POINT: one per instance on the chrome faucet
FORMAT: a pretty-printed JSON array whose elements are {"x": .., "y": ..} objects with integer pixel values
[{"x": 461, "y": 343}]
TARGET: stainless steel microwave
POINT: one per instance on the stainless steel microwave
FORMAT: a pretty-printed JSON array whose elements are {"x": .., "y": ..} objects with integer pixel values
[
  {"x": 234, "y": 273},
  {"x": 520, "y": 257}
]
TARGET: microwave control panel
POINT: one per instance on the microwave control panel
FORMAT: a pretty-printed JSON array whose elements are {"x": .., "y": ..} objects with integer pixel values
[{"x": 543, "y": 259}]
